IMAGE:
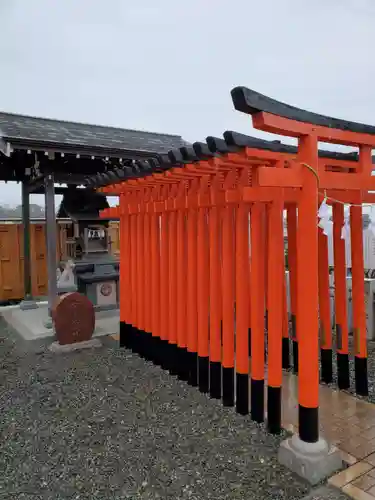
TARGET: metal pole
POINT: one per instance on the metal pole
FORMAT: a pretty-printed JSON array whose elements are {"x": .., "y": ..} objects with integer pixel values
[
  {"x": 27, "y": 302},
  {"x": 51, "y": 237}
]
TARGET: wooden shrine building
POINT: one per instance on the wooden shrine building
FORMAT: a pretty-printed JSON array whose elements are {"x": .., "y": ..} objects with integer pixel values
[{"x": 41, "y": 152}]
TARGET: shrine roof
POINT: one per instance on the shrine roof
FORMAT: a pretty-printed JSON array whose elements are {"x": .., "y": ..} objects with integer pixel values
[{"x": 24, "y": 132}]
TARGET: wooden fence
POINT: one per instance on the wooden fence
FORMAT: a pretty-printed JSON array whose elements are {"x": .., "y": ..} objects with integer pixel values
[{"x": 11, "y": 257}]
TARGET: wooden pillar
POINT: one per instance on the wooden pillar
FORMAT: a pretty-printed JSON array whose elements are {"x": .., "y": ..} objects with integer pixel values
[
  {"x": 324, "y": 309},
  {"x": 155, "y": 285},
  {"x": 215, "y": 304},
  {"x": 341, "y": 313},
  {"x": 51, "y": 238},
  {"x": 257, "y": 295},
  {"x": 228, "y": 305},
  {"x": 164, "y": 289},
  {"x": 358, "y": 295},
  {"x": 276, "y": 280},
  {"x": 125, "y": 281},
  {"x": 146, "y": 278},
  {"x": 242, "y": 309},
  {"x": 172, "y": 270},
  {"x": 307, "y": 290},
  {"x": 133, "y": 277},
  {"x": 27, "y": 302},
  {"x": 292, "y": 264},
  {"x": 203, "y": 299},
  {"x": 183, "y": 373},
  {"x": 285, "y": 320},
  {"x": 191, "y": 282}
]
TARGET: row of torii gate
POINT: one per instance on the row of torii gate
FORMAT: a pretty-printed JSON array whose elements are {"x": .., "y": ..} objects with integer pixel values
[{"x": 202, "y": 285}]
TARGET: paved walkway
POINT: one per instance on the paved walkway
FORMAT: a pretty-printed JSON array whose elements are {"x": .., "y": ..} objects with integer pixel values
[{"x": 347, "y": 422}]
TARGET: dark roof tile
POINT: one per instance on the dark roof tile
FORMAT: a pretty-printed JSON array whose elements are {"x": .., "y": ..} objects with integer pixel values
[{"x": 18, "y": 127}]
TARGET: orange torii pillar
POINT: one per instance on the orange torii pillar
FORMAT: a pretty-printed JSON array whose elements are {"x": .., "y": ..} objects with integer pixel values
[
  {"x": 235, "y": 174},
  {"x": 257, "y": 280},
  {"x": 232, "y": 191},
  {"x": 276, "y": 288},
  {"x": 121, "y": 212},
  {"x": 242, "y": 308},
  {"x": 341, "y": 314},
  {"x": 199, "y": 201},
  {"x": 355, "y": 198},
  {"x": 181, "y": 249},
  {"x": 279, "y": 155},
  {"x": 324, "y": 309},
  {"x": 215, "y": 285},
  {"x": 358, "y": 292},
  {"x": 125, "y": 283},
  {"x": 292, "y": 264}
]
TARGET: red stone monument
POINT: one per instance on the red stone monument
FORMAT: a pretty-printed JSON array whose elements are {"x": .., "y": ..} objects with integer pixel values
[{"x": 74, "y": 318}]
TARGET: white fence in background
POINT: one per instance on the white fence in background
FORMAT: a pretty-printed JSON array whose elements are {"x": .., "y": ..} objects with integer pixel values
[
  {"x": 369, "y": 303},
  {"x": 368, "y": 250}
]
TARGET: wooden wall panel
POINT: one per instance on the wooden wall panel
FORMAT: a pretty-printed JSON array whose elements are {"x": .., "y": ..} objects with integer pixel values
[
  {"x": 11, "y": 257},
  {"x": 114, "y": 234},
  {"x": 39, "y": 260},
  {"x": 10, "y": 278}
]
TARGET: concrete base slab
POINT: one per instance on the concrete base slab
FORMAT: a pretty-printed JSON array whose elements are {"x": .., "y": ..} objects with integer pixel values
[
  {"x": 26, "y": 305},
  {"x": 30, "y": 324},
  {"x": 62, "y": 349},
  {"x": 48, "y": 323},
  {"x": 311, "y": 461}
]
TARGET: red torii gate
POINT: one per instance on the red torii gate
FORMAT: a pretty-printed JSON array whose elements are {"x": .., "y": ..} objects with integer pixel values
[{"x": 190, "y": 226}]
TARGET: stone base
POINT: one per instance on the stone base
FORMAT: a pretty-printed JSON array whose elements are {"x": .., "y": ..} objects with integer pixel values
[
  {"x": 62, "y": 349},
  {"x": 48, "y": 323},
  {"x": 110, "y": 307},
  {"x": 26, "y": 305},
  {"x": 66, "y": 289},
  {"x": 311, "y": 461}
]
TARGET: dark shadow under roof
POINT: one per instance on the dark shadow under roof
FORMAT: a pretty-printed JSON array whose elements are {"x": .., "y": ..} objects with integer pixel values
[{"x": 28, "y": 130}]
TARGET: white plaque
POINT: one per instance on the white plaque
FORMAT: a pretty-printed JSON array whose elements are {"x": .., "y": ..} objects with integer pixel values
[{"x": 106, "y": 293}]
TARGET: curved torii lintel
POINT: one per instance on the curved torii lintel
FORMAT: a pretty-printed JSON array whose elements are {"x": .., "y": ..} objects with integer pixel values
[{"x": 278, "y": 117}]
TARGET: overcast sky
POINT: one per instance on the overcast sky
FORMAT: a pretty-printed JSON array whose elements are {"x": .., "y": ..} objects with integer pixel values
[{"x": 169, "y": 65}]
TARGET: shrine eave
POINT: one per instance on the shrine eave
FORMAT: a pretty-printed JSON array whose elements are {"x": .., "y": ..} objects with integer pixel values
[
  {"x": 25, "y": 140},
  {"x": 9, "y": 145}
]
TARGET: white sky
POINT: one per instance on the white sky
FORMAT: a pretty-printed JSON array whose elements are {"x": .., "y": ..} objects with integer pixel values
[{"x": 169, "y": 66}]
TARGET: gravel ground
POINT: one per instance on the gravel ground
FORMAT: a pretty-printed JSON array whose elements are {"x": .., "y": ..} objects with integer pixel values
[
  {"x": 371, "y": 370},
  {"x": 106, "y": 424}
]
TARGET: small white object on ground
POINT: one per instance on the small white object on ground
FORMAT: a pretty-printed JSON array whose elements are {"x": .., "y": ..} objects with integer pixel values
[{"x": 62, "y": 349}]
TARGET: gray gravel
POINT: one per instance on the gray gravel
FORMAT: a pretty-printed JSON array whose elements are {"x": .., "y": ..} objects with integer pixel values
[
  {"x": 105, "y": 424},
  {"x": 371, "y": 370}
]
